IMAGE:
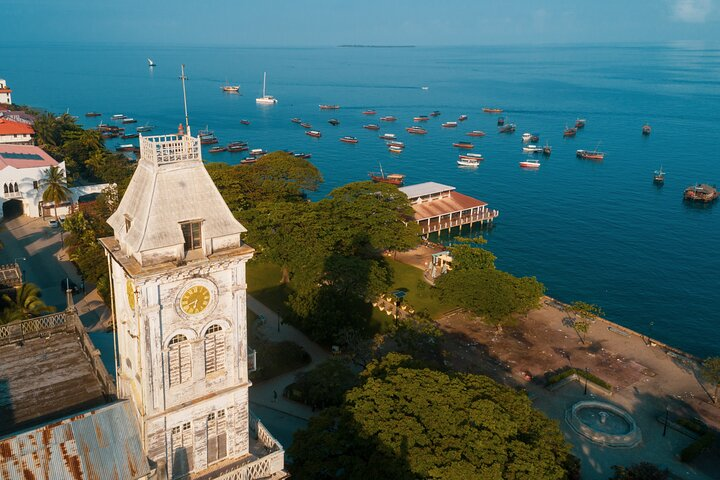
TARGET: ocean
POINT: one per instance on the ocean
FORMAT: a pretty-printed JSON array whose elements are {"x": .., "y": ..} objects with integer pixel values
[{"x": 597, "y": 231}]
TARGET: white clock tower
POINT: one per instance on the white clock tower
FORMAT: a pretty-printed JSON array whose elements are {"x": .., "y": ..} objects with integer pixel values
[{"x": 177, "y": 271}]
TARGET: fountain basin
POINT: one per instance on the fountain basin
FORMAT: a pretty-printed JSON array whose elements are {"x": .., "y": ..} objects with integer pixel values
[{"x": 604, "y": 423}]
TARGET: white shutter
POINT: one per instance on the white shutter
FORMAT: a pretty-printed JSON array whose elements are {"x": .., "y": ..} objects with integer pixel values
[
  {"x": 185, "y": 362},
  {"x": 221, "y": 435},
  {"x": 220, "y": 350},
  {"x": 174, "y": 365},
  {"x": 210, "y": 349}
]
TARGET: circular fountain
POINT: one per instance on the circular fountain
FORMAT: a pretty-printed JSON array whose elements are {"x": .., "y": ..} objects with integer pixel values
[{"x": 604, "y": 423}]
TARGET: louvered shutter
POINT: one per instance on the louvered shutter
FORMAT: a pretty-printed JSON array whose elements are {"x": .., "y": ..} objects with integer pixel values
[
  {"x": 221, "y": 435},
  {"x": 212, "y": 439},
  {"x": 174, "y": 364},
  {"x": 210, "y": 350},
  {"x": 185, "y": 362},
  {"x": 220, "y": 350}
]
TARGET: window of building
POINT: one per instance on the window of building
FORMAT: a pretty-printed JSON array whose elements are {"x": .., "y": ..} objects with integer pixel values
[
  {"x": 179, "y": 360},
  {"x": 217, "y": 436},
  {"x": 35, "y": 184},
  {"x": 16, "y": 187},
  {"x": 192, "y": 235},
  {"x": 182, "y": 448},
  {"x": 5, "y": 188},
  {"x": 214, "y": 349},
  {"x": 128, "y": 223}
]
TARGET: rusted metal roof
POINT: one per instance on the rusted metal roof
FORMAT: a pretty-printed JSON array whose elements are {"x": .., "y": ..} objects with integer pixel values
[
  {"x": 455, "y": 202},
  {"x": 100, "y": 444}
]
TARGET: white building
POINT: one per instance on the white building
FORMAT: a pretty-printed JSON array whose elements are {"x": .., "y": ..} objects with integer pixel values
[
  {"x": 22, "y": 168},
  {"x": 177, "y": 269},
  {"x": 15, "y": 133},
  {"x": 5, "y": 92}
]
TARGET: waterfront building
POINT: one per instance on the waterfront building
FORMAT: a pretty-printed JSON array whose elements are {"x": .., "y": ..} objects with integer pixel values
[
  {"x": 177, "y": 267},
  {"x": 440, "y": 207},
  {"x": 22, "y": 168},
  {"x": 15, "y": 133},
  {"x": 5, "y": 93}
]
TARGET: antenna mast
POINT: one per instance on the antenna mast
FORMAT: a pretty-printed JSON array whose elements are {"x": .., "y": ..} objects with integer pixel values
[{"x": 182, "y": 79}]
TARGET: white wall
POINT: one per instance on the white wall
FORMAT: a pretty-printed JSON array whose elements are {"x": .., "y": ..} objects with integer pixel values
[
  {"x": 24, "y": 177},
  {"x": 16, "y": 139}
]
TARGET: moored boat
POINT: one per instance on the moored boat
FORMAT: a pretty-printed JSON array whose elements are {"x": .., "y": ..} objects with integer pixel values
[
  {"x": 235, "y": 148},
  {"x": 231, "y": 88},
  {"x": 218, "y": 149},
  {"x": 395, "y": 149},
  {"x": 449, "y": 125},
  {"x": 388, "y": 118},
  {"x": 475, "y": 133},
  {"x": 129, "y": 135},
  {"x": 329, "y": 107},
  {"x": 590, "y": 155},
  {"x": 313, "y": 133},
  {"x": 659, "y": 176},
  {"x": 462, "y": 118},
  {"x": 117, "y": 116},
  {"x": 369, "y": 112},
  {"x": 701, "y": 193},
  {"x": 492, "y": 110},
  {"x": 395, "y": 143},
  {"x": 526, "y": 137},
  {"x": 93, "y": 114},
  {"x": 469, "y": 160},
  {"x": 244, "y": 122},
  {"x": 416, "y": 130},
  {"x": 534, "y": 138},
  {"x": 257, "y": 152},
  {"x": 144, "y": 128},
  {"x": 208, "y": 139},
  {"x": 646, "y": 129},
  {"x": 393, "y": 178},
  {"x": 128, "y": 147},
  {"x": 388, "y": 136},
  {"x": 435, "y": 113},
  {"x": 509, "y": 128},
  {"x": 569, "y": 132},
  {"x": 305, "y": 125},
  {"x": 334, "y": 122},
  {"x": 295, "y": 120},
  {"x": 532, "y": 149},
  {"x": 421, "y": 118},
  {"x": 466, "y": 145},
  {"x": 580, "y": 123},
  {"x": 266, "y": 99},
  {"x": 349, "y": 139},
  {"x": 530, "y": 163},
  {"x": 371, "y": 126},
  {"x": 302, "y": 155},
  {"x": 128, "y": 120},
  {"x": 547, "y": 149}
]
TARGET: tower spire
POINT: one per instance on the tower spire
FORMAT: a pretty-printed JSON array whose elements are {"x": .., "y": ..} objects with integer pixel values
[{"x": 182, "y": 79}]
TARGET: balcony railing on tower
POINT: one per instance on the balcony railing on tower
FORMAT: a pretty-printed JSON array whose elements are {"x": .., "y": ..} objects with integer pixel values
[{"x": 164, "y": 149}]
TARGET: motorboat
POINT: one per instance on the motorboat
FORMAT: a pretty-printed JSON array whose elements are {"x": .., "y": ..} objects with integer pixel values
[
  {"x": 526, "y": 137},
  {"x": 329, "y": 107},
  {"x": 492, "y": 110},
  {"x": 334, "y": 122},
  {"x": 127, "y": 147},
  {"x": 395, "y": 149},
  {"x": 313, "y": 133},
  {"x": 244, "y": 122},
  {"x": 117, "y": 116},
  {"x": 217, "y": 149},
  {"x": 388, "y": 118},
  {"x": 449, "y": 125},
  {"x": 128, "y": 120},
  {"x": 258, "y": 152},
  {"x": 266, "y": 99},
  {"x": 349, "y": 139},
  {"x": 435, "y": 113},
  {"x": 369, "y": 112},
  {"x": 235, "y": 148},
  {"x": 208, "y": 139},
  {"x": 395, "y": 143},
  {"x": 646, "y": 129},
  {"x": 388, "y": 136},
  {"x": 530, "y": 163},
  {"x": 295, "y": 120},
  {"x": 93, "y": 114},
  {"x": 144, "y": 128},
  {"x": 466, "y": 145},
  {"x": 305, "y": 125},
  {"x": 509, "y": 128},
  {"x": 476, "y": 133},
  {"x": 532, "y": 149},
  {"x": 462, "y": 118},
  {"x": 371, "y": 126},
  {"x": 580, "y": 123},
  {"x": 590, "y": 155},
  {"x": 547, "y": 150},
  {"x": 421, "y": 118},
  {"x": 129, "y": 135},
  {"x": 569, "y": 132},
  {"x": 416, "y": 130},
  {"x": 469, "y": 160}
]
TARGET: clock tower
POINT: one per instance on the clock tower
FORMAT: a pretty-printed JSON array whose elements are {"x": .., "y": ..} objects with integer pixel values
[{"x": 177, "y": 272}]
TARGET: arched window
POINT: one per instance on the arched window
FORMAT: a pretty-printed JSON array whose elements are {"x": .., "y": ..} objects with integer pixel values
[
  {"x": 5, "y": 188},
  {"x": 16, "y": 188},
  {"x": 214, "y": 349},
  {"x": 179, "y": 360}
]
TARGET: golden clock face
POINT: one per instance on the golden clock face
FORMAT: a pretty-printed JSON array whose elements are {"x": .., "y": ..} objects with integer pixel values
[
  {"x": 195, "y": 299},
  {"x": 130, "y": 289}
]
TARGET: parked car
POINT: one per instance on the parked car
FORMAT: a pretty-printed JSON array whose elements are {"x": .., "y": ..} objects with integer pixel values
[{"x": 53, "y": 223}]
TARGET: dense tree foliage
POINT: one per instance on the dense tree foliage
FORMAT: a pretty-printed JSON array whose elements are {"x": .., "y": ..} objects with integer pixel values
[
  {"x": 24, "y": 303},
  {"x": 326, "y": 384},
  {"x": 407, "y": 422},
  {"x": 710, "y": 371},
  {"x": 640, "y": 471}
]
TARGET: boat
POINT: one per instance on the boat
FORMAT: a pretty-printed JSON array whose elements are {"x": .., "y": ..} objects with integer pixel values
[
  {"x": 257, "y": 152},
  {"x": 466, "y": 145},
  {"x": 532, "y": 149},
  {"x": 244, "y": 122},
  {"x": 449, "y": 125},
  {"x": 313, "y": 133},
  {"x": 701, "y": 193},
  {"x": 369, "y": 112},
  {"x": 425, "y": 88},
  {"x": 117, "y": 116},
  {"x": 151, "y": 63},
  {"x": 435, "y": 113},
  {"x": 547, "y": 150},
  {"x": 302, "y": 155},
  {"x": 646, "y": 129},
  {"x": 128, "y": 120},
  {"x": 501, "y": 121},
  {"x": 230, "y": 88},
  {"x": 469, "y": 159},
  {"x": 388, "y": 136},
  {"x": 569, "y": 132},
  {"x": 108, "y": 134},
  {"x": 127, "y": 147},
  {"x": 305, "y": 125},
  {"x": 476, "y": 133},
  {"x": 349, "y": 139},
  {"x": 530, "y": 163},
  {"x": 462, "y": 118},
  {"x": 217, "y": 149},
  {"x": 393, "y": 178},
  {"x": 416, "y": 130},
  {"x": 580, "y": 123},
  {"x": 371, "y": 126},
  {"x": 492, "y": 110},
  {"x": 266, "y": 99},
  {"x": 590, "y": 155},
  {"x": 388, "y": 118},
  {"x": 526, "y": 137},
  {"x": 208, "y": 139},
  {"x": 509, "y": 128},
  {"x": 236, "y": 148},
  {"x": 104, "y": 127},
  {"x": 248, "y": 160},
  {"x": 421, "y": 118},
  {"x": 395, "y": 143},
  {"x": 144, "y": 128},
  {"x": 395, "y": 149},
  {"x": 93, "y": 114},
  {"x": 206, "y": 132},
  {"x": 334, "y": 122},
  {"x": 659, "y": 176},
  {"x": 295, "y": 120},
  {"x": 534, "y": 138},
  {"x": 129, "y": 135},
  {"x": 329, "y": 107}
]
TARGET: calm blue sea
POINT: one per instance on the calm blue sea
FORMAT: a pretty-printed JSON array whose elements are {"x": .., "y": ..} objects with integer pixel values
[{"x": 594, "y": 231}]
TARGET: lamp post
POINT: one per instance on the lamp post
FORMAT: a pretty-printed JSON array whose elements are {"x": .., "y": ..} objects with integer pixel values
[
  {"x": 666, "y": 420},
  {"x": 586, "y": 380}
]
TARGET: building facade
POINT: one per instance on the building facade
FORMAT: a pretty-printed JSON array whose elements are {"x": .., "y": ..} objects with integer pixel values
[
  {"x": 5, "y": 92},
  {"x": 177, "y": 264},
  {"x": 15, "y": 133}
]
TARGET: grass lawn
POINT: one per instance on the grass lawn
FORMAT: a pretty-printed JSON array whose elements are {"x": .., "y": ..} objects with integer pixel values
[
  {"x": 264, "y": 285},
  {"x": 407, "y": 278}
]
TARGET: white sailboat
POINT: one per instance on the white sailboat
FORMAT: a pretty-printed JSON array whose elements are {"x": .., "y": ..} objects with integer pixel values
[
  {"x": 266, "y": 99},
  {"x": 151, "y": 63}
]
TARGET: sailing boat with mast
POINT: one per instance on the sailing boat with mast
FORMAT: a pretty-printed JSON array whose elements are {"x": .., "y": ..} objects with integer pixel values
[
  {"x": 393, "y": 179},
  {"x": 659, "y": 176},
  {"x": 266, "y": 99},
  {"x": 151, "y": 63}
]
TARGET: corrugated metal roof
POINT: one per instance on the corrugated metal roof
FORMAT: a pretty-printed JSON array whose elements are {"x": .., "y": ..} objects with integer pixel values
[
  {"x": 101, "y": 444},
  {"x": 427, "y": 188}
]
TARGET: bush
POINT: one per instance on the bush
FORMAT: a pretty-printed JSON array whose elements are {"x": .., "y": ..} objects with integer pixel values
[
  {"x": 693, "y": 425},
  {"x": 580, "y": 373},
  {"x": 276, "y": 358},
  {"x": 692, "y": 451}
]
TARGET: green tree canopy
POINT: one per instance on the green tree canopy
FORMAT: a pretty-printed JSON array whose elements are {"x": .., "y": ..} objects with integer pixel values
[
  {"x": 407, "y": 422},
  {"x": 26, "y": 303},
  {"x": 467, "y": 257},
  {"x": 640, "y": 471},
  {"x": 710, "y": 371},
  {"x": 55, "y": 187}
]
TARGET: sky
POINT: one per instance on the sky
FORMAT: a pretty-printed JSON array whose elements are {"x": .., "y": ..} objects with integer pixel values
[{"x": 368, "y": 22}]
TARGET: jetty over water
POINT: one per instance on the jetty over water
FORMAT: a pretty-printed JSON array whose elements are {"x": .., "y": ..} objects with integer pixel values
[{"x": 440, "y": 207}]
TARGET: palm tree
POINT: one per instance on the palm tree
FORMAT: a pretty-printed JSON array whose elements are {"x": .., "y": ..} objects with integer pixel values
[
  {"x": 27, "y": 302},
  {"x": 10, "y": 314},
  {"x": 55, "y": 185}
]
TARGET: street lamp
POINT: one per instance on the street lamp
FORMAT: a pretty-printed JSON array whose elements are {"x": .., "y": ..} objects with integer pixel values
[
  {"x": 586, "y": 380},
  {"x": 19, "y": 258},
  {"x": 666, "y": 420}
]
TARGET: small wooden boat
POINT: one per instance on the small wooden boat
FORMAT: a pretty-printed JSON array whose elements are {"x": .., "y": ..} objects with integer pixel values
[
  {"x": 547, "y": 150},
  {"x": 117, "y": 116},
  {"x": 530, "y": 163},
  {"x": 701, "y": 193},
  {"x": 130, "y": 135},
  {"x": 492, "y": 110},
  {"x": 329, "y": 107},
  {"x": 237, "y": 143},
  {"x": 449, "y": 125},
  {"x": 501, "y": 121},
  {"x": 580, "y": 123},
  {"x": 569, "y": 132},
  {"x": 248, "y": 160},
  {"x": 369, "y": 112},
  {"x": 659, "y": 176},
  {"x": 334, "y": 122},
  {"x": 313, "y": 133},
  {"x": 231, "y": 88},
  {"x": 128, "y": 120},
  {"x": 421, "y": 118},
  {"x": 646, "y": 129},
  {"x": 466, "y": 145},
  {"x": 302, "y": 155},
  {"x": 245, "y": 122},
  {"x": 128, "y": 147},
  {"x": 476, "y": 133},
  {"x": 388, "y": 118},
  {"x": 588, "y": 155},
  {"x": 395, "y": 149},
  {"x": 435, "y": 113},
  {"x": 469, "y": 159},
  {"x": 257, "y": 152},
  {"x": 416, "y": 130},
  {"x": 208, "y": 139},
  {"x": 532, "y": 149},
  {"x": 509, "y": 128},
  {"x": 388, "y": 136},
  {"x": 93, "y": 114},
  {"x": 217, "y": 149},
  {"x": 349, "y": 139},
  {"x": 144, "y": 128},
  {"x": 526, "y": 137},
  {"x": 534, "y": 138},
  {"x": 395, "y": 143},
  {"x": 109, "y": 134},
  {"x": 393, "y": 178},
  {"x": 305, "y": 125},
  {"x": 462, "y": 118},
  {"x": 295, "y": 120},
  {"x": 371, "y": 126},
  {"x": 236, "y": 148}
]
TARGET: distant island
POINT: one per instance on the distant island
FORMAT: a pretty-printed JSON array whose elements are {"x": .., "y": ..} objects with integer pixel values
[{"x": 377, "y": 46}]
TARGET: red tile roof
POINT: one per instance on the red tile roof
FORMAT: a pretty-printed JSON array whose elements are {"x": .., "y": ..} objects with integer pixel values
[
  {"x": 454, "y": 203},
  {"x": 24, "y": 156},
  {"x": 8, "y": 127}
]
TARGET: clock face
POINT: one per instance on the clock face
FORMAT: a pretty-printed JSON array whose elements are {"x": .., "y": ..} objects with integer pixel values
[
  {"x": 195, "y": 299},
  {"x": 130, "y": 289}
]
